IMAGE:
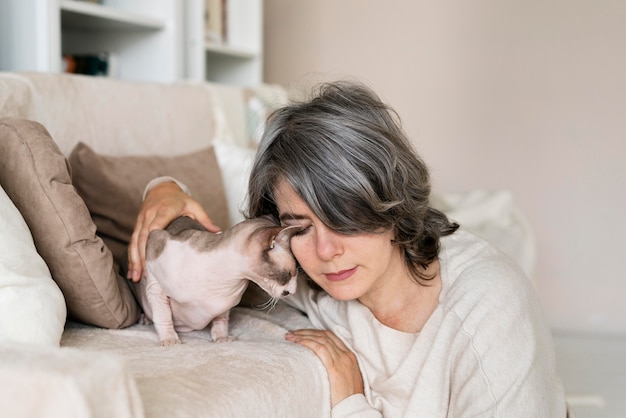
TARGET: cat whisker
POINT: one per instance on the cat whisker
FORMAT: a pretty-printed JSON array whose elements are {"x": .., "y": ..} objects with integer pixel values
[{"x": 267, "y": 305}]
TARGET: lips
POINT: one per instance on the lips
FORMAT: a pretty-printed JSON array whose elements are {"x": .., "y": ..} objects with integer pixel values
[{"x": 340, "y": 275}]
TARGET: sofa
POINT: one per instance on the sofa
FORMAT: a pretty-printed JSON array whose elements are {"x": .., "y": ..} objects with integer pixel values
[{"x": 75, "y": 155}]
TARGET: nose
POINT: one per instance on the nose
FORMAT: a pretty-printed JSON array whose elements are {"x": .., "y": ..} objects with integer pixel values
[
  {"x": 328, "y": 243},
  {"x": 291, "y": 286}
]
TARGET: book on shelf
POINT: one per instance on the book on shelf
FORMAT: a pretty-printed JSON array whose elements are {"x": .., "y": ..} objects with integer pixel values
[
  {"x": 97, "y": 64},
  {"x": 215, "y": 26}
]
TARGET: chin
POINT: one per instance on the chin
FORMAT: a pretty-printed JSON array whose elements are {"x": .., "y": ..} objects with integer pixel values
[{"x": 340, "y": 292}]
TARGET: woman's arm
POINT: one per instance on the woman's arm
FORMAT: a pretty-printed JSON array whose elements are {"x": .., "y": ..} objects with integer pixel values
[
  {"x": 163, "y": 202},
  {"x": 344, "y": 375}
]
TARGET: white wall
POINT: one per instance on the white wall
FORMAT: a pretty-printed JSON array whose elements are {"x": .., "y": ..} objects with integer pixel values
[{"x": 526, "y": 95}]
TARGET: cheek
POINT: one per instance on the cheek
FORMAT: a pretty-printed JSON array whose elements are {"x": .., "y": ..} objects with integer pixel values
[{"x": 299, "y": 248}]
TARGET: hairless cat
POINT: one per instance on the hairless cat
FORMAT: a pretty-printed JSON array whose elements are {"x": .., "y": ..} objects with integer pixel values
[{"x": 193, "y": 277}]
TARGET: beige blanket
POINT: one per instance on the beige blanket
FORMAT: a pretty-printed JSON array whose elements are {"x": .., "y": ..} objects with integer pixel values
[{"x": 125, "y": 373}]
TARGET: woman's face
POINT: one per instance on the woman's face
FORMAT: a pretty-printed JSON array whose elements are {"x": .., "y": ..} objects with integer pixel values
[{"x": 345, "y": 266}]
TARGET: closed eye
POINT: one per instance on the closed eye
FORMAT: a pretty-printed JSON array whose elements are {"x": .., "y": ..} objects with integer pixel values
[
  {"x": 301, "y": 221},
  {"x": 302, "y": 231}
]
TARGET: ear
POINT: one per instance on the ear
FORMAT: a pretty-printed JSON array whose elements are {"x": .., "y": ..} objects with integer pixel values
[{"x": 283, "y": 237}]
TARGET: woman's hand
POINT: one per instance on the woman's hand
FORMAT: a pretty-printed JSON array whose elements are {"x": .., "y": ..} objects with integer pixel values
[
  {"x": 341, "y": 363},
  {"x": 163, "y": 203}
]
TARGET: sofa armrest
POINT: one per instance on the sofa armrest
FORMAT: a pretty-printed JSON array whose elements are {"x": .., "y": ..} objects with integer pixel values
[{"x": 66, "y": 382}]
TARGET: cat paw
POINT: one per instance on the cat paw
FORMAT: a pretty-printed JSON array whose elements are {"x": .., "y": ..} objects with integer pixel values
[
  {"x": 226, "y": 339},
  {"x": 170, "y": 341},
  {"x": 144, "y": 320}
]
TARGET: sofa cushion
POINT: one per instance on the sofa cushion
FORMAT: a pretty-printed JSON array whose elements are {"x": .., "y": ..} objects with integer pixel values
[
  {"x": 112, "y": 187},
  {"x": 35, "y": 175},
  {"x": 235, "y": 165},
  {"x": 246, "y": 109},
  {"x": 32, "y": 308}
]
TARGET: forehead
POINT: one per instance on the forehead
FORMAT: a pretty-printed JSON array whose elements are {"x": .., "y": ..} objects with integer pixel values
[{"x": 288, "y": 202}]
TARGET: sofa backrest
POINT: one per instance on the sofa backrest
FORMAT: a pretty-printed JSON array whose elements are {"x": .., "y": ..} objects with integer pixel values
[{"x": 117, "y": 117}]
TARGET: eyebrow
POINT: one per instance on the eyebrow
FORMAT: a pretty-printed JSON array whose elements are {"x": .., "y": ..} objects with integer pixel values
[{"x": 293, "y": 217}]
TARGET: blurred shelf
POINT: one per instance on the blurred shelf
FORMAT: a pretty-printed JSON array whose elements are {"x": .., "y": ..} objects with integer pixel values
[
  {"x": 91, "y": 16},
  {"x": 227, "y": 50}
]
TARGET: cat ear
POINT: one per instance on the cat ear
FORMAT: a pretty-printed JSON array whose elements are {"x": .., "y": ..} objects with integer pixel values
[{"x": 283, "y": 237}]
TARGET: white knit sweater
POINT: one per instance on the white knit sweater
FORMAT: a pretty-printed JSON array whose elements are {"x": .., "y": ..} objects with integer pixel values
[{"x": 484, "y": 352}]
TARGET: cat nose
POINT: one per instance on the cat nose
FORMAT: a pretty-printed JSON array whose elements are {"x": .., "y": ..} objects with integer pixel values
[{"x": 285, "y": 292}]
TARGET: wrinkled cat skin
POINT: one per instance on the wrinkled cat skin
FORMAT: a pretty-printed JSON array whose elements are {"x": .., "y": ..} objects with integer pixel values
[{"x": 194, "y": 277}]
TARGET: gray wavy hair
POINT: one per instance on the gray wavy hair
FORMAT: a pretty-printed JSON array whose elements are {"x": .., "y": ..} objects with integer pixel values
[{"x": 345, "y": 154}]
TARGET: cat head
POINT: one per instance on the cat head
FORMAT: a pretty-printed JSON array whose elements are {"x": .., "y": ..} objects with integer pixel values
[{"x": 276, "y": 268}]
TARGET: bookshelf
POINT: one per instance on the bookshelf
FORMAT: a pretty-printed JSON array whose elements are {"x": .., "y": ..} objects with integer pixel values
[
  {"x": 149, "y": 40},
  {"x": 233, "y": 51},
  {"x": 88, "y": 16}
]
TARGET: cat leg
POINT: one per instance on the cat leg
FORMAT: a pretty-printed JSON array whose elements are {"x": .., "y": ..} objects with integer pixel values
[
  {"x": 161, "y": 313},
  {"x": 219, "y": 328},
  {"x": 144, "y": 319}
]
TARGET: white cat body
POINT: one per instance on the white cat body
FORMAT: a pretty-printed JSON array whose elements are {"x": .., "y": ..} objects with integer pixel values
[{"x": 194, "y": 277}]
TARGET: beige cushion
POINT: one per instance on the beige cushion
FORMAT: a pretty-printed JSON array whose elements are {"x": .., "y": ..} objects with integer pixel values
[
  {"x": 112, "y": 188},
  {"x": 35, "y": 175}
]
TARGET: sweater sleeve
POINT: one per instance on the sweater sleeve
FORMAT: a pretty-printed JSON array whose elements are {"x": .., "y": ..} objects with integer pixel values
[
  {"x": 156, "y": 181},
  {"x": 505, "y": 365},
  {"x": 355, "y": 406}
]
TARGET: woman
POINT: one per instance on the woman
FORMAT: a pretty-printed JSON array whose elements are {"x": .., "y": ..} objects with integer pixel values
[{"x": 413, "y": 317}]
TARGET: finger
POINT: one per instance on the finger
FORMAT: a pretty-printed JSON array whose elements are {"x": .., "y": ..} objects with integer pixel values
[
  {"x": 324, "y": 344},
  {"x": 198, "y": 213},
  {"x": 308, "y": 334},
  {"x": 326, "y": 353},
  {"x": 158, "y": 221},
  {"x": 146, "y": 221},
  {"x": 134, "y": 259},
  {"x": 318, "y": 335}
]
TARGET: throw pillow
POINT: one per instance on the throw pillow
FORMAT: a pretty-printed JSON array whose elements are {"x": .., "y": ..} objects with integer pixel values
[
  {"x": 112, "y": 187},
  {"x": 235, "y": 164},
  {"x": 32, "y": 308},
  {"x": 34, "y": 173}
]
